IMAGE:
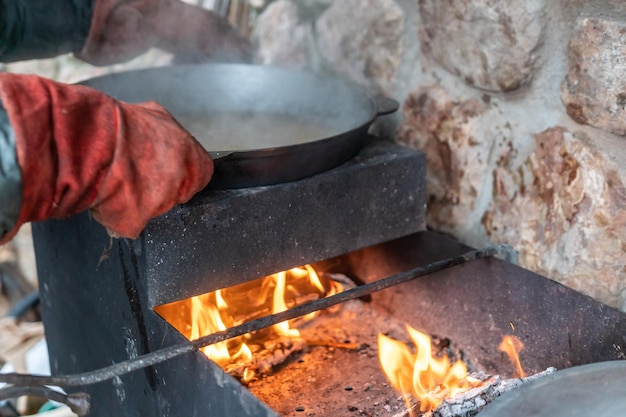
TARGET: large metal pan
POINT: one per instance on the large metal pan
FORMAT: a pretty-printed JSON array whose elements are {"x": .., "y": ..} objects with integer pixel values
[
  {"x": 343, "y": 109},
  {"x": 597, "y": 389}
]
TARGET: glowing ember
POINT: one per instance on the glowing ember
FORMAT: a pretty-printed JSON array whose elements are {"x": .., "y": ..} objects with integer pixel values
[
  {"x": 426, "y": 378},
  {"x": 511, "y": 345},
  {"x": 208, "y": 313}
]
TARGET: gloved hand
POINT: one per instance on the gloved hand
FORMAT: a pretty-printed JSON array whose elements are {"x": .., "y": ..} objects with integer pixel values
[
  {"x": 79, "y": 149},
  {"x": 122, "y": 29}
]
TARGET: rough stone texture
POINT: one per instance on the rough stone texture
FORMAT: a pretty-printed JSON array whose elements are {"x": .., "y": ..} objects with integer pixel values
[
  {"x": 363, "y": 39},
  {"x": 563, "y": 209},
  {"x": 460, "y": 155},
  {"x": 491, "y": 44},
  {"x": 282, "y": 38},
  {"x": 562, "y": 206},
  {"x": 594, "y": 90}
]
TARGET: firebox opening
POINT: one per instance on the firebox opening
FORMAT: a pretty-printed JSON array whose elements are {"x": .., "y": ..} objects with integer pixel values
[
  {"x": 471, "y": 307},
  {"x": 332, "y": 360},
  {"x": 251, "y": 355}
]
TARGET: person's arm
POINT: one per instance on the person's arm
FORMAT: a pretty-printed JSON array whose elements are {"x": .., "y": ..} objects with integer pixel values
[
  {"x": 79, "y": 149},
  {"x": 10, "y": 177},
  {"x": 32, "y": 29}
]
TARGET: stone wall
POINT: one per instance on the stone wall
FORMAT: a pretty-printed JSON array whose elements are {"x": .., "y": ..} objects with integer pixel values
[{"x": 520, "y": 107}]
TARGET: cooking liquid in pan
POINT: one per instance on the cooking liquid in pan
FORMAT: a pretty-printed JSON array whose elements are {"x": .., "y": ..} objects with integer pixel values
[{"x": 219, "y": 132}]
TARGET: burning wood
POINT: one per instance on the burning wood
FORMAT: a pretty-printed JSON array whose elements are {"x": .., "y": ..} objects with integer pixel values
[
  {"x": 419, "y": 374},
  {"x": 271, "y": 349},
  {"x": 338, "y": 374},
  {"x": 265, "y": 359},
  {"x": 441, "y": 389},
  {"x": 268, "y": 358},
  {"x": 251, "y": 355},
  {"x": 470, "y": 403},
  {"x": 431, "y": 376}
]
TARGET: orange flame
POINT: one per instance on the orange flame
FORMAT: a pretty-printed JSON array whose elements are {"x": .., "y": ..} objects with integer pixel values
[
  {"x": 511, "y": 345},
  {"x": 208, "y": 313},
  {"x": 427, "y": 378}
]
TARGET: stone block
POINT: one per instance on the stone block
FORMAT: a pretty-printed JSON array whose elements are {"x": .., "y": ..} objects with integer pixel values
[
  {"x": 563, "y": 210},
  {"x": 491, "y": 44},
  {"x": 461, "y": 144},
  {"x": 363, "y": 40},
  {"x": 282, "y": 38},
  {"x": 594, "y": 89}
]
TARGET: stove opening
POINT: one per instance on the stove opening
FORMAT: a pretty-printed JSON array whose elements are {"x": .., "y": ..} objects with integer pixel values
[
  {"x": 253, "y": 354},
  {"x": 352, "y": 354}
]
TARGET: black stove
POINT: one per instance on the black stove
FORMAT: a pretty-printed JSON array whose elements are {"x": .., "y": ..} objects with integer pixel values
[{"x": 364, "y": 218}]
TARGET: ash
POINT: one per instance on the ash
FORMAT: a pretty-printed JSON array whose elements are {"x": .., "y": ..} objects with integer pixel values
[
  {"x": 470, "y": 403},
  {"x": 337, "y": 373}
]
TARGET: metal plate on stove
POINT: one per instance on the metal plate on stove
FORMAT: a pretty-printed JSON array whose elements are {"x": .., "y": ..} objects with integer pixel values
[{"x": 597, "y": 389}]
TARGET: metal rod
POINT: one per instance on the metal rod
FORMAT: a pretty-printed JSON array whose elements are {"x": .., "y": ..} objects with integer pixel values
[
  {"x": 153, "y": 358},
  {"x": 79, "y": 403},
  {"x": 347, "y": 295}
]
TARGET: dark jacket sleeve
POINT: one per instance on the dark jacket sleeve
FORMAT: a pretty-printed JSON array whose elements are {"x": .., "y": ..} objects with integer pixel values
[
  {"x": 10, "y": 176},
  {"x": 32, "y": 29}
]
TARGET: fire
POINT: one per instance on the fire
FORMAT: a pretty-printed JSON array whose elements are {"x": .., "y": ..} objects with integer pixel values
[
  {"x": 219, "y": 310},
  {"x": 511, "y": 345},
  {"x": 427, "y": 378}
]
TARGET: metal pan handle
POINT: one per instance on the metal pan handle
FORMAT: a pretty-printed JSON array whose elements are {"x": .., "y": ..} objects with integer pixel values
[
  {"x": 385, "y": 105},
  {"x": 220, "y": 154}
]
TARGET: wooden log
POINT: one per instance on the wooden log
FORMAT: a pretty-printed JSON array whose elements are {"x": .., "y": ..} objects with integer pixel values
[{"x": 471, "y": 402}]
